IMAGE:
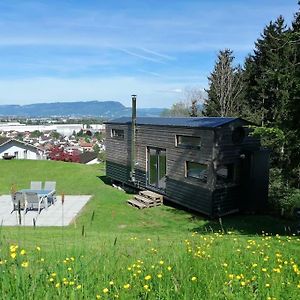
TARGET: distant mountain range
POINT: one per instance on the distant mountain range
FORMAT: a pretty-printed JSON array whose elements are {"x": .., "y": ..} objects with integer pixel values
[{"x": 105, "y": 109}]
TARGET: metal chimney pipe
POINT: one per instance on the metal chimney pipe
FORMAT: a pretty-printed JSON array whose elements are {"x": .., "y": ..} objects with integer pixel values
[{"x": 133, "y": 137}]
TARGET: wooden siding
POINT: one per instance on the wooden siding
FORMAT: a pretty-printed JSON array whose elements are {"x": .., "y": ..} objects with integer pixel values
[
  {"x": 196, "y": 198},
  {"x": 228, "y": 151},
  {"x": 118, "y": 172},
  {"x": 164, "y": 138},
  {"x": 118, "y": 150}
]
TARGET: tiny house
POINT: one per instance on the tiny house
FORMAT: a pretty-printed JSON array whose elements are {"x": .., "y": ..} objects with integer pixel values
[{"x": 210, "y": 165}]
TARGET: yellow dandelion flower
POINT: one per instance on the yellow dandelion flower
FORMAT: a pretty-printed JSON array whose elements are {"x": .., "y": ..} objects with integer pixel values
[
  {"x": 13, "y": 255},
  {"x": 169, "y": 268},
  {"x": 126, "y": 286},
  {"x": 243, "y": 283},
  {"x": 129, "y": 268},
  {"x": 53, "y": 274},
  {"x": 264, "y": 269},
  {"x": 148, "y": 277},
  {"x": 72, "y": 258},
  {"x": 98, "y": 297},
  {"x": 23, "y": 252},
  {"x": 42, "y": 259},
  {"x": 57, "y": 285},
  {"x": 161, "y": 262},
  {"x": 146, "y": 286},
  {"x": 25, "y": 264},
  {"x": 69, "y": 269},
  {"x": 51, "y": 279},
  {"x": 194, "y": 278},
  {"x": 13, "y": 248},
  {"x": 71, "y": 283},
  {"x": 105, "y": 290},
  {"x": 38, "y": 248},
  {"x": 111, "y": 283},
  {"x": 238, "y": 277},
  {"x": 267, "y": 285},
  {"x": 159, "y": 275},
  {"x": 225, "y": 265},
  {"x": 254, "y": 265},
  {"x": 78, "y": 287},
  {"x": 231, "y": 276}
]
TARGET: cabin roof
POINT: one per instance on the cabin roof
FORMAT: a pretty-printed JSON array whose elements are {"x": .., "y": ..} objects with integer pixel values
[{"x": 205, "y": 122}]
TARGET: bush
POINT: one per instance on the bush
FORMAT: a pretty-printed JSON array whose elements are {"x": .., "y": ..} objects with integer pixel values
[{"x": 283, "y": 199}]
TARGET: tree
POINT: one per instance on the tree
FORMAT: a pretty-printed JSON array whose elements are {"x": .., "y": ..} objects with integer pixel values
[
  {"x": 179, "y": 109},
  {"x": 55, "y": 135},
  {"x": 272, "y": 90},
  {"x": 194, "y": 97},
  {"x": 96, "y": 148},
  {"x": 36, "y": 134},
  {"x": 189, "y": 106},
  {"x": 225, "y": 87}
]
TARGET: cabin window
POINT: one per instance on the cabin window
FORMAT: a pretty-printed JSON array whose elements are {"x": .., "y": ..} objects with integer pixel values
[
  {"x": 117, "y": 134},
  {"x": 225, "y": 173},
  {"x": 196, "y": 170},
  {"x": 192, "y": 142}
]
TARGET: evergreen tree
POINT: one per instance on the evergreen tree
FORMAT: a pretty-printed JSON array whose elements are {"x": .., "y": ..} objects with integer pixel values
[
  {"x": 225, "y": 87},
  {"x": 267, "y": 74},
  {"x": 272, "y": 89}
]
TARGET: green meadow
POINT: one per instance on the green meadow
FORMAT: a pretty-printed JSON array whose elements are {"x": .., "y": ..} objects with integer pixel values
[{"x": 114, "y": 251}]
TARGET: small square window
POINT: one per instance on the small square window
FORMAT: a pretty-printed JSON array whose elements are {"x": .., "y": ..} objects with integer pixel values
[
  {"x": 191, "y": 142},
  {"x": 196, "y": 170},
  {"x": 117, "y": 134}
]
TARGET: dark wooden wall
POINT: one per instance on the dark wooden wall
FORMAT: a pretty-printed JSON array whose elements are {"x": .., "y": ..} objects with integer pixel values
[{"x": 217, "y": 148}]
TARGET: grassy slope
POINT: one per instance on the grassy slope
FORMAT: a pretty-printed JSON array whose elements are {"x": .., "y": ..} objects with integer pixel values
[
  {"x": 120, "y": 234},
  {"x": 111, "y": 214}
]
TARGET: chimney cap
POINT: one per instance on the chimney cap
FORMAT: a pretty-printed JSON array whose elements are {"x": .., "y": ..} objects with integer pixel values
[{"x": 133, "y": 95}]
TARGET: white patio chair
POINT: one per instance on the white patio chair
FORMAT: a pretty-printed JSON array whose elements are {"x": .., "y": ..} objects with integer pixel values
[
  {"x": 17, "y": 198},
  {"x": 36, "y": 185},
  {"x": 34, "y": 201},
  {"x": 51, "y": 186}
]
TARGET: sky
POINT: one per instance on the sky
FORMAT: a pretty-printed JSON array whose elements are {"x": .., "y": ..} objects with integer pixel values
[{"x": 67, "y": 50}]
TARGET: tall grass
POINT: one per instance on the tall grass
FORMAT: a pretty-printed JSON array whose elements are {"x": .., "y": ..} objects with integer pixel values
[{"x": 213, "y": 266}]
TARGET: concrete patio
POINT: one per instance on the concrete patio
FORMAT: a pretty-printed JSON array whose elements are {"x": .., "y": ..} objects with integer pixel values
[{"x": 54, "y": 215}]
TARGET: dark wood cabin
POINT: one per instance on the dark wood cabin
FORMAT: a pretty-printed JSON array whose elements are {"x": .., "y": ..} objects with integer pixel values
[{"x": 209, "y": 165}]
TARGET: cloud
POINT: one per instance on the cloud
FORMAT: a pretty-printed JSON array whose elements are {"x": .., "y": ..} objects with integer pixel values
[
  {"x": 158, "y": 54},
  {"x": 175, "y": 90},
  {"x": 45, "y": 89},
  {"x": 156, "y": 60}
]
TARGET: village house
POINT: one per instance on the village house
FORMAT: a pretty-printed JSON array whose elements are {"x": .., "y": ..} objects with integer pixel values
[{"x": 12, "y": 148}]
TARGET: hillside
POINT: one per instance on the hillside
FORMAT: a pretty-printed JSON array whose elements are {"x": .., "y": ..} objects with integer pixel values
[
  {"x": 105, "y": 109},
  {"x": 113, "y": 251}
]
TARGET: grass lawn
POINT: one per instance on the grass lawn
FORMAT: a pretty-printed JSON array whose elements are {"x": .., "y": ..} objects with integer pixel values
[{"x": 115, "y": 251}]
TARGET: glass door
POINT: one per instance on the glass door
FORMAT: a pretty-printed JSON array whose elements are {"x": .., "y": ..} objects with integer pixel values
[{"x": 157, "y": 168}]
